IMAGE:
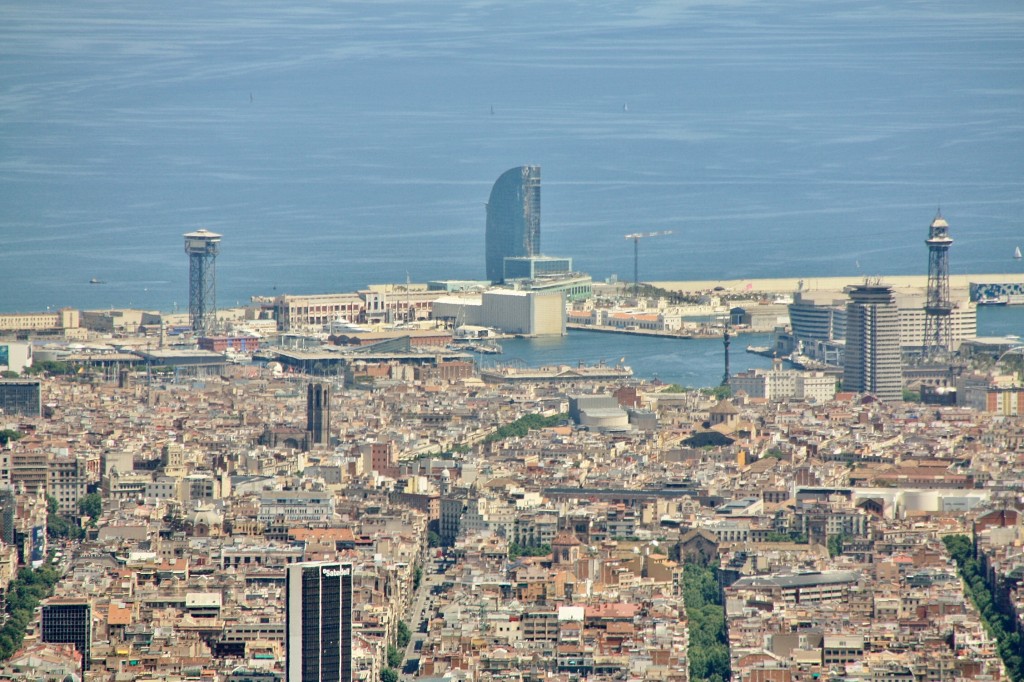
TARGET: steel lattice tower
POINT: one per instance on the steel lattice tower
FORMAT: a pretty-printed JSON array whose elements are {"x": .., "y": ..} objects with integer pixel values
[
  {"x": 202, "y": 247},
  {"x": 938, "y": 309},
  {"x": 725, "y": 342}
]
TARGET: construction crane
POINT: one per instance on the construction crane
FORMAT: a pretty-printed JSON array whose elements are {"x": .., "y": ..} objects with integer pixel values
[{"x": 636, "y": 237}]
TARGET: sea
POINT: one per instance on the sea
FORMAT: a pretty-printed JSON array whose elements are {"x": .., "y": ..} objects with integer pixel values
[{"x": 338, "y": 144}]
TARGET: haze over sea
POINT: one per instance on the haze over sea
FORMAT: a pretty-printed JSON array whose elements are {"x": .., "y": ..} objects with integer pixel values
[{"x": 340, "y": 144}]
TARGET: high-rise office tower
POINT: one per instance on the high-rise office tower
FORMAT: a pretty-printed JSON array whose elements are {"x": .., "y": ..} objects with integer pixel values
[
  {"x": 21, "y": 397},
  {"x": 513, "y": 219},
  {"x": 938, "y": 309},
  {"x": 872, "y": 361},
  {"x": 69, "y": 620},
  {"x": 202, "y": 247},
  {"x": 318, "y": 622},
  {"x": 318, "y": 413}
]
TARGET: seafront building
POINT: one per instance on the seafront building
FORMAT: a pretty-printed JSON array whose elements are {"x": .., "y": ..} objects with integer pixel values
[
  {"x": 513, "y": 219},
  {"x": 529, "y": 313},
  {"x": 819, "y": 322},
  {"x": 64, "y": 323},
  {"x": 872, "y": 361}
]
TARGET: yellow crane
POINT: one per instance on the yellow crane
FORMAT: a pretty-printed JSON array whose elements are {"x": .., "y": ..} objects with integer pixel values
[{"x": 636, "y": 237}]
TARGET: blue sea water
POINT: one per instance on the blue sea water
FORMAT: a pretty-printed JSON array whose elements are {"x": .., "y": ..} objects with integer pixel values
[
  {"x": 338, "y": 144},
  {"x": 687, "y": 362}
]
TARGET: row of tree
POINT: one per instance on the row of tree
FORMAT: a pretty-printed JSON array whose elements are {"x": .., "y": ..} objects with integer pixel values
[
  {"x": 395, "y": 653},
  {"x": 709, "y": 639},
  {"x": 525, "y": 424},
  {"x": 999, "y": 621},
  {"x": 23, "y": 596}
]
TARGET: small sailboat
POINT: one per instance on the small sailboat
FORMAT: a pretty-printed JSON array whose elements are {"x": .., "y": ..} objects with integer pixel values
[
  {"x": 96, "y": 280},
  {"x": 1016, "y": 253}
]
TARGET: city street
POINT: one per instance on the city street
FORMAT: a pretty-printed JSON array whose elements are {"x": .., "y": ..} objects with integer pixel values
[{"x": 422, "y": 605}]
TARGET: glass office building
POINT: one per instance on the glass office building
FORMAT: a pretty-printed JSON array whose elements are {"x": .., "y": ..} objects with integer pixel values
[
  {"x": 318, "y": 622},
  {"x": 513, "y": 219},
  {"x": 69, "y": 620}
]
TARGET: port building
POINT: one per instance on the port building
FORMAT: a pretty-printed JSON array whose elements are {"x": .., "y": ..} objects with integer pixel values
[
  {"x": 819, "y": 320},
  {"x": 527, "y": 313}
]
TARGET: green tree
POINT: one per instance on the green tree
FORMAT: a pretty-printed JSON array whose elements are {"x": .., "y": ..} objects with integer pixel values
[
  {"x": 516, "y": 550},
  {"x": 792, "y": 536},
  {"x": 394, "y": 656},
  {"x": 50, "y": 367},
  {"x": 709, "y": 641},
  {"x": 433, "y": 539},
  {"x": 404, "y": 635},
  {"x": 417, "y": 577},
  {"x": 23, "y": 595},
  {"x": 835, "y": 545},
  {"x": 91, "y": 505},
  {"x": 720, "y": 392},
  {"x": 388, "y": 675},
  {"x": 7, "y": 435},
  {"x": 57, "y": 526},
  {"x": 998, "y": 622},
  {"x": 523, "y": 425}
]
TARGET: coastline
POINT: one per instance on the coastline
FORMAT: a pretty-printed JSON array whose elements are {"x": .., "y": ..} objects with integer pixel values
[{"x": 791, "y": 284}]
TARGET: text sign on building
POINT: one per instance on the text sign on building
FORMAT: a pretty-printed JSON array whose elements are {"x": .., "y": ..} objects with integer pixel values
[{"x": 335, "y": 572}]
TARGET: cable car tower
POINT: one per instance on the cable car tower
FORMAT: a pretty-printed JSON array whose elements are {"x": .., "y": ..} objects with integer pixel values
[
  {"x": 938, "y": 309},
  {"x": 202, "y": 247}
]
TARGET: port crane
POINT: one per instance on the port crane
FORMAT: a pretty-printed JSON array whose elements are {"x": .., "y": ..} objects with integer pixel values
[{"x": 636, "y": 237}]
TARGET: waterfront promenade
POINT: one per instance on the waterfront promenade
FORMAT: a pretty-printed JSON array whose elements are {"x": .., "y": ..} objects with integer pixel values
[{"x": 791, "y": 284}]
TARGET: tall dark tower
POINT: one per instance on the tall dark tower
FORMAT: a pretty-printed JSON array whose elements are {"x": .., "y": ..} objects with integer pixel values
[
  {"x": 318, "y": 622},
  {"x": 513, "y": 219},
  {"x": 725, "y": 342},
  {"x": 872, "y": 361},
  {"x": 202, "y": 247},
  {"x": 318, "y": 413},
  {"x": 938, "y": 330},
  {"x": 69, "y": 620}
]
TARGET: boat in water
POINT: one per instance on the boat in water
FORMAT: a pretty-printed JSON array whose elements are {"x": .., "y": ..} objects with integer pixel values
[
  {"x": 1016, "y": 253},
  {"x": 94, "y": 280}
]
